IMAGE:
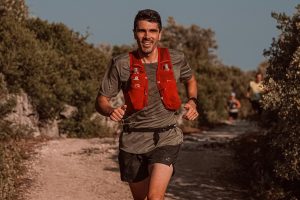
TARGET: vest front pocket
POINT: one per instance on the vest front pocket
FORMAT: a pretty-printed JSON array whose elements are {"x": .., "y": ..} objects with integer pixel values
[
  {"x": 138, "y": 90},
  {"x": 170, "y": 95},
  {"x": 137, "y": 97}
]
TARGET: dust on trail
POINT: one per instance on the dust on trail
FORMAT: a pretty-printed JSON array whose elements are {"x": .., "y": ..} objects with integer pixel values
[
  {"x": 87, "y": 169},
  {"x": 76, "y": 169}
]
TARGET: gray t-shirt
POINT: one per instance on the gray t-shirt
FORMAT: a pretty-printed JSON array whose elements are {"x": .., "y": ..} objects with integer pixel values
[{"x": 154, "y": 115}]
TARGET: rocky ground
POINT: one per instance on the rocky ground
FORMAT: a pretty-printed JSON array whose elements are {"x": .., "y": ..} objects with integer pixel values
[{"x": 87, "y": 169}]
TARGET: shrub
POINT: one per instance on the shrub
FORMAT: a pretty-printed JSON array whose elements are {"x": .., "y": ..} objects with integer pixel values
[
  {"x": 273, "y": 159},
  {"x": 10, "y": 151},
  {"x": 10, "y": 170},
  {"x": 53, "y": 64}
]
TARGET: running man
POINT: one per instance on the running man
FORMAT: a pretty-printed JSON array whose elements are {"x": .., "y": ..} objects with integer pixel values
[{"x": 150, "y": 141}]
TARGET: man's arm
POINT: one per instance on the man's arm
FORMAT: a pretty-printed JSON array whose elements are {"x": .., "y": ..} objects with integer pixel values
[
  {"x": 191, "y": 87},
  {"x": 248, "y": 91},
  {"x": 191, "y": 106},
  {"x": 104, "y": 108}
]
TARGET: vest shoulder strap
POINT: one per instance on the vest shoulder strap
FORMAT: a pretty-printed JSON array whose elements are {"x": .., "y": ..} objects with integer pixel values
[
  {"x": 135, "y": 60},
  {"x": 164, "y": 55}
]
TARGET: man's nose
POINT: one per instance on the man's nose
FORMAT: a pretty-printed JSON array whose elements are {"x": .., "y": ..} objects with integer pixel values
[{"x": 147, "y": 34}]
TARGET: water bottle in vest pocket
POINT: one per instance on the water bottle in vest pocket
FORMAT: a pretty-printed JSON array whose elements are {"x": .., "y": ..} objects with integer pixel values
[
  {"x": 168, "y": 87},
  {"x": 138, "y": 85},
  {"x": 170, "y": 96}
]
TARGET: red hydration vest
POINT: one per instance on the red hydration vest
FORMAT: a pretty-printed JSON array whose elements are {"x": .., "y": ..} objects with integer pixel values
[{"x": 136, "y": 96}]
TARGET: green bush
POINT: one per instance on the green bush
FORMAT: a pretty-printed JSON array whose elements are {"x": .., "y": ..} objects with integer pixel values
[
  {"x": 53, "y": 64},
  {"x": 86, "y": 129},
  {"x": 10, "y": 151},
  {"x": 14, "y": 8},
  {"x": 10, "y": 170},
  {"x": 273, "y": 159}
]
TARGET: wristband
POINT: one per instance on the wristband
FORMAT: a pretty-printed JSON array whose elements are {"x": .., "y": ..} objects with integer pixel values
[{"x": 195, "y": 100}]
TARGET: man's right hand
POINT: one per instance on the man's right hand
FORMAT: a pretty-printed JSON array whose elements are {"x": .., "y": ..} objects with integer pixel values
[{"x": 117, "y": 114}]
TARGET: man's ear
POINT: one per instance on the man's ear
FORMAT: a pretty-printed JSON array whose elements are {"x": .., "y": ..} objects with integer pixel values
[{"x": 134, "y": 34}]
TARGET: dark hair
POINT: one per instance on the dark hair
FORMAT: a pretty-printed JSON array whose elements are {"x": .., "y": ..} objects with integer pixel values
[
  {"x": 258, "y": 73},
  {"x": 148, "y": 15}
]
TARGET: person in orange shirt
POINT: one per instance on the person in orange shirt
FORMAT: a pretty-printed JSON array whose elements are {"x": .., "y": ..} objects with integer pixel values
[{"x": 233, "y": 106}]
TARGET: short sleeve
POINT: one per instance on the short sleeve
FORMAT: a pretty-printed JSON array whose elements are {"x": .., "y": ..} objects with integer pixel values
[
  {"x": 185, "y": 70},
  {"x": 111, "y": 84}
]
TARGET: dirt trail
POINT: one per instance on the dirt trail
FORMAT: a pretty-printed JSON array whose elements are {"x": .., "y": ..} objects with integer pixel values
[
  {"x": 76, "y": 169},
  {"x": 87, "y": 169},
  {"x": 206, "y": 168}
]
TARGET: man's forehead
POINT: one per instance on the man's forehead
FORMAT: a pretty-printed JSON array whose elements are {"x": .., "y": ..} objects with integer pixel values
[{"x": 147, "y": 24}]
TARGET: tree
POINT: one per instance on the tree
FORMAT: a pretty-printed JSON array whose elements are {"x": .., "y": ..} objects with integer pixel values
[
  {"x": 273, "y": 158},
  {"x": 283, "y": 101},
  {"x": 53, "y": 64},
  {"x": 14, "y": 8}
]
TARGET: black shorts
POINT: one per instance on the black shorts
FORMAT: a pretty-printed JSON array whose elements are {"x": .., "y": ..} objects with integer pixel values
[
  {"x": 134, "y": 167},
  {"x": 234, "y": 115},
  {"x": 256, "y": 106}
]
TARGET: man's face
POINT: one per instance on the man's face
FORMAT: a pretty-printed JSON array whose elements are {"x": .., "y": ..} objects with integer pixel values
[
  {"x": 147, "y": 35},
  {"x": 258, "y": 78}
]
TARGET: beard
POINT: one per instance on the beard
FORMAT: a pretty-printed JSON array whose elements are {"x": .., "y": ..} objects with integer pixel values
[{"x": 147, "y": 46}]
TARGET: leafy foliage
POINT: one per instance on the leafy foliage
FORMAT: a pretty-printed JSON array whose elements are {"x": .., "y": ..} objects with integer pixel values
[
  {"x": 14, "y": 8},
  {"x": 53, "y": 64},
  {"x": 276, "y": 154},
  {"x": 10, "y": 160},
  {"x": 283, "y": 101},
  {"x": 10, "y": 153}
]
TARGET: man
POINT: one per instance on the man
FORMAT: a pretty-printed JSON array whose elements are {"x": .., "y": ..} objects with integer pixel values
[
  {"x": 255, "y": 91},
  {"x": 150, "y": 141}
]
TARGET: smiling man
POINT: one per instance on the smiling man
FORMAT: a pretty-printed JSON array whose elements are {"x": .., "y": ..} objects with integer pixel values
[{"x": 148, "y": 76}]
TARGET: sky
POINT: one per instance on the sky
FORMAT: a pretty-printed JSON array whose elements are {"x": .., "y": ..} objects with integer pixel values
[{"x": 243, "y": 28}]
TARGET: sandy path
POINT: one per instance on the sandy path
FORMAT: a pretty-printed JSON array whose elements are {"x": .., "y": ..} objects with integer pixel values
[
  {"x": 76, "y": 169},
  {"x": 87, "y": 169}
]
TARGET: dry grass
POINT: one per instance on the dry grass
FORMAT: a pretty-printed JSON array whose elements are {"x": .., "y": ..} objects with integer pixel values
[{"x": 12, "y": 169}]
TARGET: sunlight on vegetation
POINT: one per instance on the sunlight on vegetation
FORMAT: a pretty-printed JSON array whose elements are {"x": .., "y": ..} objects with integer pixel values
[
  {"x": 272, "y": 159},
  {"x": 56, "y": 66}
]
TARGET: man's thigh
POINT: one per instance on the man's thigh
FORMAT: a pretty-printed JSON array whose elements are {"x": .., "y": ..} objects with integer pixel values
[{"x": 160, "y": 175}]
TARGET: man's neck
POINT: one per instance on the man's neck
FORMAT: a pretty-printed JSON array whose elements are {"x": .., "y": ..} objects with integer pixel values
[{"x": 149, "y": 58}]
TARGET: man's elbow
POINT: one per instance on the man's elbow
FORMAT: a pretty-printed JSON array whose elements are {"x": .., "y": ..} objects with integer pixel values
[
  {"x": 192, "y": 80},
  {"x": 97, "y": 105},
  {"x": 102, "y": 105}
]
